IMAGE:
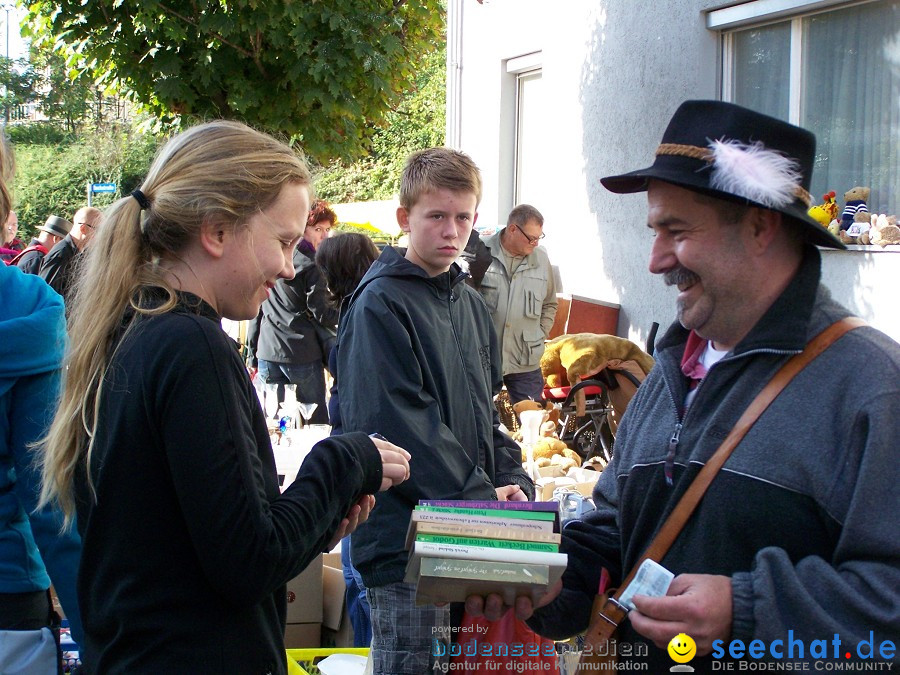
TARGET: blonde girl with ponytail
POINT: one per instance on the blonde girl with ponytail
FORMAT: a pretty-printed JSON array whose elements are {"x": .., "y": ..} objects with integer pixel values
[{"x": 159, "y": 449}]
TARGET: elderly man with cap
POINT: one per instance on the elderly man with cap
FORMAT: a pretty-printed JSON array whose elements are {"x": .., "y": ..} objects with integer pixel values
[
  {"x": 58, "y": 265},
  {"x": 50, "y": 234},
  {"x": 795, "y": 539}
]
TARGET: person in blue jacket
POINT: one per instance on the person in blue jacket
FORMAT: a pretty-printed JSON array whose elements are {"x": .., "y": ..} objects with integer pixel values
[{"x": 32, "y": 550}]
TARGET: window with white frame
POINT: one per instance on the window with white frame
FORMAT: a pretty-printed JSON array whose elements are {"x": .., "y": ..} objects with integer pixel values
[
  {"x": 833, "y": 68},
  {"x": 531, "y": 131},
  {"x": 530, "y": 137}
]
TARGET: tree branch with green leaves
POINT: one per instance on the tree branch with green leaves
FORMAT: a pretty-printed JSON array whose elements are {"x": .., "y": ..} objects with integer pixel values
[{"x": 324, "y": 73}]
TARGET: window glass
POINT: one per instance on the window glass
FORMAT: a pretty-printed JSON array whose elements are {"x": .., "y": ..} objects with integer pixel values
[
  {"x": 532, "y": 132},
  {"x": 762, "y": 61},
  {"x": 850, "y": 99}
]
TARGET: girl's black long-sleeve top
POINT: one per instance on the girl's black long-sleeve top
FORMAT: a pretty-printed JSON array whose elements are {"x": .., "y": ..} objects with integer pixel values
[{"x": 187, "y": 540}]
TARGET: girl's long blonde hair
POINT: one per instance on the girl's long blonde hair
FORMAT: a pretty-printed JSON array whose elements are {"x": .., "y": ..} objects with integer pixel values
[
  {"x": 7, "y": 169},
  {"x": 221, "y": 171}
]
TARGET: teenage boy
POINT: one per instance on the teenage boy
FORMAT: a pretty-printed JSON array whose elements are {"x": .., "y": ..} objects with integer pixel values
[{"x": 419, "y": 363}]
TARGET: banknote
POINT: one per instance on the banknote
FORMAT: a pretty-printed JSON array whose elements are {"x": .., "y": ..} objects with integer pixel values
[{"x": 651, "y": 579}]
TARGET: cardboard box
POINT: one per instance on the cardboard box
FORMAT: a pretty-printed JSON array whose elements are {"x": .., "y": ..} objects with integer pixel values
[
  {"x": 336, "y": 628},
  {"x": 333, "y": 591},
  {"x": 552, "y": 471},
  {"x": 546, "y": 487},
  {"x": 339, "y": 639},
  {"x": 304, "y": 595},
  {"x": 303, "y": 635}
]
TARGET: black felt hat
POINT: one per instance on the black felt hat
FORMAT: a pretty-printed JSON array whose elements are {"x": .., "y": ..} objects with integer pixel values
[
  {"x": 57, "y": 226},
  {"x": 728, "y": 151}
]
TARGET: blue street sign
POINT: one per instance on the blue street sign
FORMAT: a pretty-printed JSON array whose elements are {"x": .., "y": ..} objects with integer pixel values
[{"x": 103, "y": 187}]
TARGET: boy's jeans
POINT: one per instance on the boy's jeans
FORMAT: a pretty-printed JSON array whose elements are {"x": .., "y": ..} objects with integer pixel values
[{"x": 407, "y": 640}]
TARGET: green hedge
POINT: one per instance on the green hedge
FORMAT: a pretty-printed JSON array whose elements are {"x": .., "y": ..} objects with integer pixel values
[
  {"x": 38, "y": 133},
  {"x": 53, "y": 169}
]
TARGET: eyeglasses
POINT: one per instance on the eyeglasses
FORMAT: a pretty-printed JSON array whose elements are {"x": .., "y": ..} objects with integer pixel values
[{"x": 531, "y": 240}]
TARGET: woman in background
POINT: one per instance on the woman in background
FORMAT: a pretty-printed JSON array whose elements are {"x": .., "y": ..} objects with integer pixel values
[
  {"x": 159, "y": 443},
  {"x": 294, "y": 331},
  {"x": 343, "y": 261},
  {"x": 32, "y": 550}
]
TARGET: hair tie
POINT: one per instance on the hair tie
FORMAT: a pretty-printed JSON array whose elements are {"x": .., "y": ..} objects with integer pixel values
[{"x": 141, "y": 199}]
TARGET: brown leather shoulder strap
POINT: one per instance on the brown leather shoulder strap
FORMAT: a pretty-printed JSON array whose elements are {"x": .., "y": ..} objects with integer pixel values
[
  {"x": 688, "y": 503},
  {"x": 673, "y": 525}
]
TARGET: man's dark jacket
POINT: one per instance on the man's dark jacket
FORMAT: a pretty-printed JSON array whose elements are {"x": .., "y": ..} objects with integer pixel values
[
  {"x": 58, "y": 266},
  {"x": 30, "y": 261},
  {"x": 803, "y": 515},
  {"x": 284, "y": 330}
]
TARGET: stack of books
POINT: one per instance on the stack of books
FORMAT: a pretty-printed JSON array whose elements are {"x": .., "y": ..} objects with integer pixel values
[{"x": 461, "y": 548}]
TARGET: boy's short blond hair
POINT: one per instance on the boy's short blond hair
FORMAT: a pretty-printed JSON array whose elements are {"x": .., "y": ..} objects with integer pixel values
[{"x": 435, "y": 169}]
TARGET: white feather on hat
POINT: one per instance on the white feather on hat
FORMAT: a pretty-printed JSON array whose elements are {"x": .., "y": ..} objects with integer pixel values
[{"x": 754, "y": 172}]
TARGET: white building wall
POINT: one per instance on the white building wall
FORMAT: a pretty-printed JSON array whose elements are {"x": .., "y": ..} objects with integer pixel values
[{"x": 613, "y": 72}]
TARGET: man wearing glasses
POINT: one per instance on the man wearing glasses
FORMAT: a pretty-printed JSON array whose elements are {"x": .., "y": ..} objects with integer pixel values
[
  {"x": 520, "y": 293},
  {"x": 57, "y": 267}
]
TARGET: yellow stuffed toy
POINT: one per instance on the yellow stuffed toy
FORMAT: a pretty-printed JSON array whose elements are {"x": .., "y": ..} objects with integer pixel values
[
  {"x": 550, "y": 448},
  {"x": 569, "y": 359},
  {"x": 825, "y": 212}
]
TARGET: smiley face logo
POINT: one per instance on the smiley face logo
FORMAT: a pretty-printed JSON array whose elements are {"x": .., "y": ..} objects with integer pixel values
[{"x": 682, "y": 648}]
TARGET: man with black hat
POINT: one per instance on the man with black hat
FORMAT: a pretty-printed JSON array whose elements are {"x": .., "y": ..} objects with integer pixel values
[
  {"x": 59, "y": 265},
  {"x": 52, "y": 232},
  {"x": 795, "y": 539}
]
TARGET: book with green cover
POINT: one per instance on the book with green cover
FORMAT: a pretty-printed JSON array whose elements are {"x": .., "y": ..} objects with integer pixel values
[
  {"x": 490, "y": 543},
  {"x": 523, "y": 515}
]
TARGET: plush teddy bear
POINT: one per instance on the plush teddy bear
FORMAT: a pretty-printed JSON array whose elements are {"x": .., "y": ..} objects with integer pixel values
[
  {"x": 857, "y": 233},
  {"x": 569, "y": 359},
  {"x": 855, "y": 209},
  {"x": 564, "y": 463},
  {"x": 549, "y": 426},
  {"x": 548, "y": 447},
  {"x": 835, "y": 228},
  {"x": 883, "y": 232}
]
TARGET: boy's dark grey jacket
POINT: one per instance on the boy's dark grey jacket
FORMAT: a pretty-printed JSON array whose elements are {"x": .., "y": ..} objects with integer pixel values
[
  {"x": 803, "y": 516},
  {"x": 419, "y": 364}
]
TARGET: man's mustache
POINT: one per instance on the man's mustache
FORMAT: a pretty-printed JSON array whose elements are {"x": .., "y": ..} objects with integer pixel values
[{"x": 680, "y": 275}]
